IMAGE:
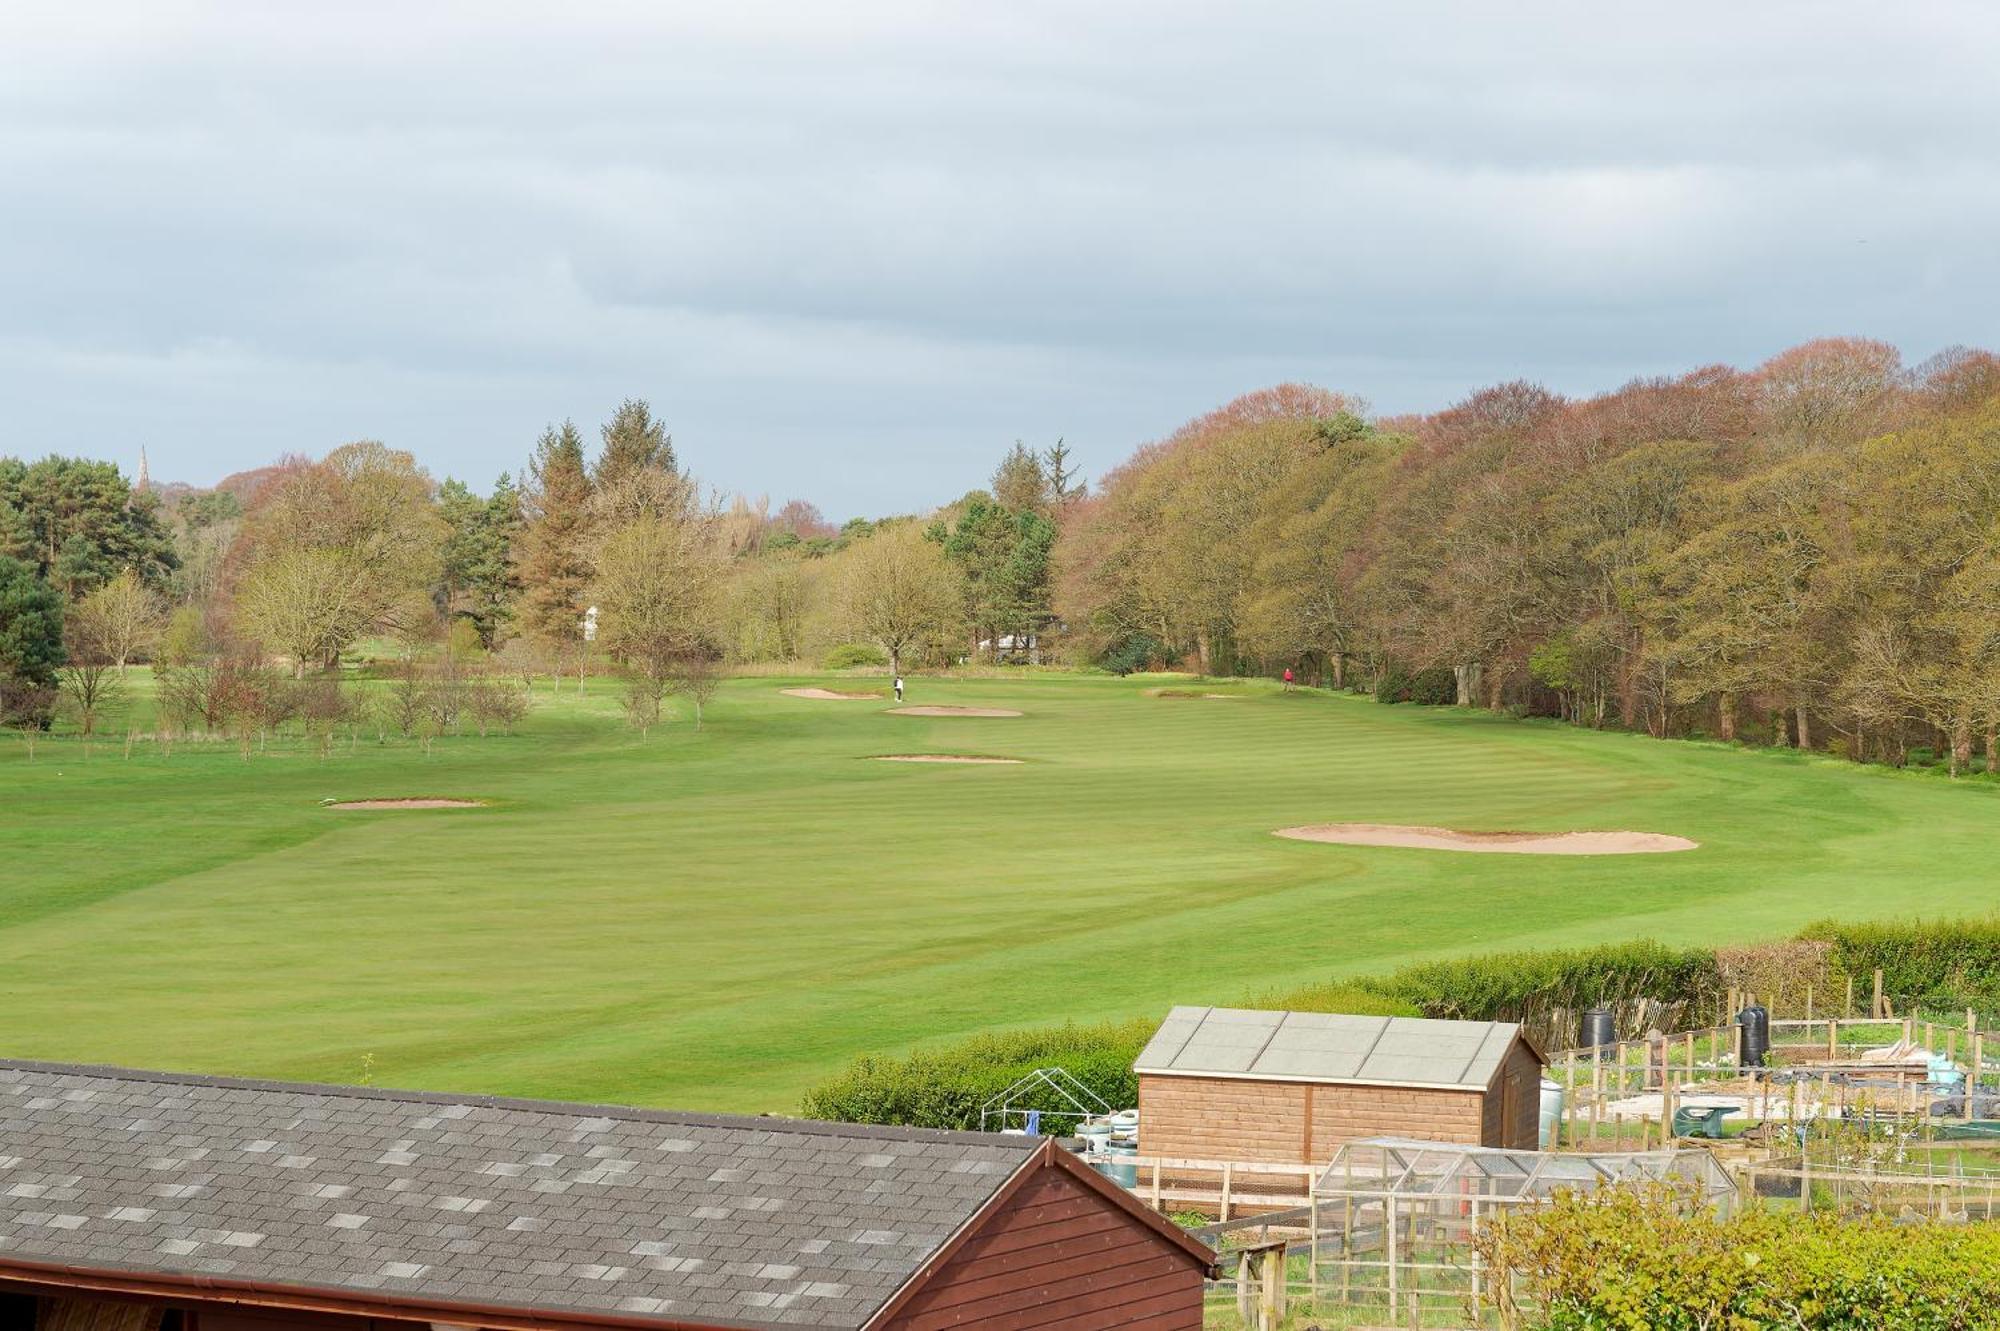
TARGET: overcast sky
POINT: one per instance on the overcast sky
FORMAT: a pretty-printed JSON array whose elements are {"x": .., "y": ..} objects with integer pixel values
[{"x": 850, "y": 251}]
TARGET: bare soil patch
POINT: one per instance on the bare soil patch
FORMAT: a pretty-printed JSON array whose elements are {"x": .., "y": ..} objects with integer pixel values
[
  {"x": 409, "y": 804},
  {"x": 1503, "y": 843},
  {"x": 941, "y": 758},
  {"x": 828, "y": 695},
  {"x": 952, "y": 711}
]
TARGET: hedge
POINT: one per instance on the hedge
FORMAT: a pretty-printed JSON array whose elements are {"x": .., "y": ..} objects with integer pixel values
[
  {"x": 1620, "y": 1260},
  {"x": 1938, "y": 963},
  {"x": 945, "y": 1085},
  {"x": 1545, "y": 990}
]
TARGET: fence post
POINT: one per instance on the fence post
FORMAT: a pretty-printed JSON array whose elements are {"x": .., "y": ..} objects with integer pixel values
[
  {"x": 1227, "y": 1166},
  {"x": 1848, "y": 1011},
  {"x": 1876, "y": 1011}
]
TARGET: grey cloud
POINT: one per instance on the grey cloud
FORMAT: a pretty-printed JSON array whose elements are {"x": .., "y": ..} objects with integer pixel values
[{"x": 853, "y": 251}]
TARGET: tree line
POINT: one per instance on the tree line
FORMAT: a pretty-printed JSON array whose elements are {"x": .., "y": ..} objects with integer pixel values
[
  {"x": 1807, "y": 553},
  {"x": 246, "y": 599}
]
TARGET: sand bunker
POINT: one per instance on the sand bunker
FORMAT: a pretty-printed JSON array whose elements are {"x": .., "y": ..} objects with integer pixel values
[
  {"x": 1190, "y": 693},
  {"x": 940, "y": 758},
  {"x": 408, "y": 804},
  {"x": 952, "y": 711},
  {"x": 1502, "y": 843},
  {"x": 828, "y": 695}
]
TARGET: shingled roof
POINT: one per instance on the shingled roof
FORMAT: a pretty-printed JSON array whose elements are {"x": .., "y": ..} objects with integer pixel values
[
  {"x": 541, "y": 1207},
  {"x": 1328, "y": 1048}
]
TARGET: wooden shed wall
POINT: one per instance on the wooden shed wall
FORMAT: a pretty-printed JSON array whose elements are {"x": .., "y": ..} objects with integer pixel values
[
  {"x": 1059, "y": 1257},
  {"x": 1513, "y": 1108},
  {"x": 1288, "y": 1122}
]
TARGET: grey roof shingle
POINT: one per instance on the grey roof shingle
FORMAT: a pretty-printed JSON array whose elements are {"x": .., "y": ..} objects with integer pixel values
[
  {"x": 550, "y": 1207},
  {"x": 1327, "y": 1047}
]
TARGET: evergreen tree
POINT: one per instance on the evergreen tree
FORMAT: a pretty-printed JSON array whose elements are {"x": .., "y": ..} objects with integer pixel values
[
  {"x": 554, "y": 565},
  {"x": 633, "y": 441},
  {"x": 1020, "y": 482},
  {"x": 1064, "y": 487},
  {"x": 80, "y": 522},
  {"x": 478, "y": 577},
  {"x": 31, "y": 623}
]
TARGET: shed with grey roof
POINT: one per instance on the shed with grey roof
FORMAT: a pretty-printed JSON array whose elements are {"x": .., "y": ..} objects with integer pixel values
[
  {"x": 201, "y": 1204},
  {"x": 1226, "y": 1084}
]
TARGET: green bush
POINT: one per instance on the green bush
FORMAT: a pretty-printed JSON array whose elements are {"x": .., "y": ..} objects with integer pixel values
[
  {"x": 1432, "y": 688},
  {"x": 851, "y": 654},
  {"x": 1134, "y": 651},
  {"x": 1546, "y": 990},
  {"x": 945, "y": 1086},
  {"x": 1620, "y": 1260},
  {"x": 1937, "y": 963}
]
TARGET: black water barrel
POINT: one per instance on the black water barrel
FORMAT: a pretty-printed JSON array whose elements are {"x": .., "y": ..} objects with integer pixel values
[
  {"x": 1598, "y": 1029},
  {"x": 1756, "y": 1024}
]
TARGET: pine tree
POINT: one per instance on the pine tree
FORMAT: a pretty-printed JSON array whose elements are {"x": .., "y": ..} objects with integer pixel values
[
  {"x": 633, "y": 441},
  {"x": 554, "y": 563},
  {"x": 1063, "y": 484}
]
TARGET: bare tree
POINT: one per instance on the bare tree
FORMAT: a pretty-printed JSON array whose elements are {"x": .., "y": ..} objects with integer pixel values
[
  {"x": 900, "y": 592},
  {"x": 659, "y": 583},
  {"x": 128, "y": 617},
  {"x": 696, "y": 675}
]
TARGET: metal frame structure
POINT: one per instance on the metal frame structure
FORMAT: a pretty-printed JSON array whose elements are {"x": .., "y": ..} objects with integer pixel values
[
  {"x": 1048, "y": 1092},
  {"x": 1394, "y": 1218}
]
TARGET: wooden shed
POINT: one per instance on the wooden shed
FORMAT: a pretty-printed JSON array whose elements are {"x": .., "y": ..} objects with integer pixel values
[
  {"x": 1291, "y": 1087},
  {"x": 136, "y": 1201}
]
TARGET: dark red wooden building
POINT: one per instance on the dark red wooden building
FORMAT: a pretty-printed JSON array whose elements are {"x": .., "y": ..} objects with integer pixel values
[{"x": 136, "y": 1201}]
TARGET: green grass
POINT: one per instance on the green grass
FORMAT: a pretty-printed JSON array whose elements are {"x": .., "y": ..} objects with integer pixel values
[{"x": 716, "y": 920}]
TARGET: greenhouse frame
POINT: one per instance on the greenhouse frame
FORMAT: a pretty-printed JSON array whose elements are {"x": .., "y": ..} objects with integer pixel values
[{"x": 1392, "y": 1220}]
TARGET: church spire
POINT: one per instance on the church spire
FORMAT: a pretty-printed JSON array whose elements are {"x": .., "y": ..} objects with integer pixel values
[{"x": 144, "y": 477}]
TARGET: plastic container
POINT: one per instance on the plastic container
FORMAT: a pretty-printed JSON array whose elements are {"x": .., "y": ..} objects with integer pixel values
[
  {"x": 1599, "y": 1029},
  {"x": 1122, "y": 1167},
  {"x": 1756, "y": 1023},
  {"x": 1551, "y": 1112}
]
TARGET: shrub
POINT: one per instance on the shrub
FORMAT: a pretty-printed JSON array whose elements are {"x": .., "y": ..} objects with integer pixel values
[
  {"x": 945, "y": 1086},
  {"x": 1641, "y": 1260},
  {"x": 848, "y": 655},
  {"x": 1133, "y": 652},
  {"x": 1938, "y": 963},
  {"x": 1431, "y": 688},
  {"x": 1645, "y": 983}
]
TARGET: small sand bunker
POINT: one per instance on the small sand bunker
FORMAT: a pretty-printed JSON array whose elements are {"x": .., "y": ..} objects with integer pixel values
[
  {"x": 408, "y": 804},
  {"x": 828, "y": 695},
  {"x": 1501, "y": 843},
  {"x": 941, "y": 758},
  {"x": 1190, "y": 693},
  {"x": 952, "y": 711}
]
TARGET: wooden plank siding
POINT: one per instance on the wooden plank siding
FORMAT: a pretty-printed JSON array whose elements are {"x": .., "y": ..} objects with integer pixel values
[
  {"x": 1059, "y": 1256},
  {"x": 1290, "y": 1122}
]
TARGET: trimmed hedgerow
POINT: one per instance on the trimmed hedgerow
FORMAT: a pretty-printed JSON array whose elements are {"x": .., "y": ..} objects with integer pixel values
[
  {"x": 945, "y": 1085},
  {"x": 1940, "y": 963},
  {"x": 1621, "y": 1260},
  {"x": 1545, "y": 990}
]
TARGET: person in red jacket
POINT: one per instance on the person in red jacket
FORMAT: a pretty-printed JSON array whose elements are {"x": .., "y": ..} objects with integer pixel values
[{"x": 1288, "y": 679}]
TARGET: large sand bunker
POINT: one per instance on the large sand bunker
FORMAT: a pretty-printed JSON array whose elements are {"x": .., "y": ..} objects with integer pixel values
[
  {"x": 408, "y": 804},
  {"x": 940, "y": 758},
  {"x": 828, "y": 695},
  {"x": 1501, "y": 843},
  {"x": 952, "y": 711}
]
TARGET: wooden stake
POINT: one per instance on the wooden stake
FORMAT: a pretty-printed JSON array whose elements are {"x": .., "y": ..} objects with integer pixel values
[{"x": 1876, "y": 1011}]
